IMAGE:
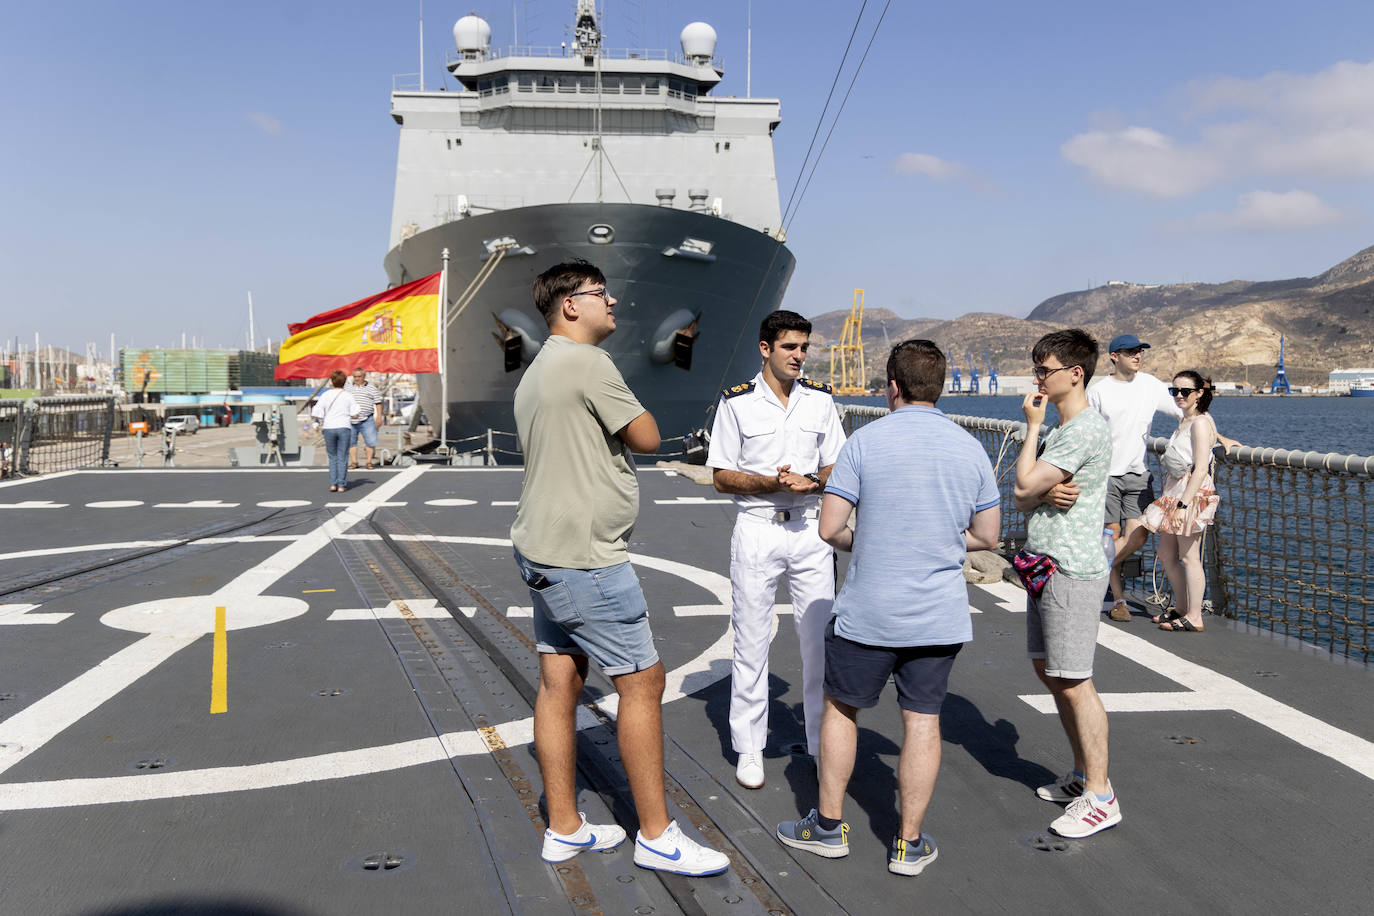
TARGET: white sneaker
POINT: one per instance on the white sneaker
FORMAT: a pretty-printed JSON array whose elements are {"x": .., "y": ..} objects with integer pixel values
[
  {"x": 1063, "y": 790},
  {"x": 676, "y": 853},
  {"x": 1086, "y": 815},
  {"x": 749, "y": 771},
  {"x": 560, "y": 847}
]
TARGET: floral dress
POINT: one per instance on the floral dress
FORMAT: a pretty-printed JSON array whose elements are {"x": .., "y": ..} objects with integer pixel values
[{"x": 1163, "y": 515}]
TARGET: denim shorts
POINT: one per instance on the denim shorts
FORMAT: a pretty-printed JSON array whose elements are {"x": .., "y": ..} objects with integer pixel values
[
  {"x": 599, "y": 613},
  {"x": 366, "y": 430},
  {"x": 855, "y": 674},
  {"x": 1061, "y": 625}
]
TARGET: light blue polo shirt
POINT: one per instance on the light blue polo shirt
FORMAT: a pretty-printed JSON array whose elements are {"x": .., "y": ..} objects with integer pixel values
[{"x": 917, "y": 479}]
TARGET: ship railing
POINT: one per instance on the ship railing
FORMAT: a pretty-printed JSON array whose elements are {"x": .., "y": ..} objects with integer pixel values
[
  {"x": 405, "y": 82},
  {"x": 1290, "y": 548},
  {"x": 566, "y": 51},
  {"x": 500, "y": 447},
  {"x": 49, "y": 434}
]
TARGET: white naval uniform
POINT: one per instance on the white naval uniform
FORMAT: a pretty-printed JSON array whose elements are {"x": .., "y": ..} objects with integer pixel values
[{"x": 755, "y": 433}]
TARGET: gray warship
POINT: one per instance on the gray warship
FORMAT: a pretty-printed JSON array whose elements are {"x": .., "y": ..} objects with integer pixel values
[{"x": 580, "y": 151}]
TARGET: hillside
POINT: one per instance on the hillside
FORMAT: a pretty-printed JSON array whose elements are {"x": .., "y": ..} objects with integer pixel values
[{"x": 1229, "y": 330}]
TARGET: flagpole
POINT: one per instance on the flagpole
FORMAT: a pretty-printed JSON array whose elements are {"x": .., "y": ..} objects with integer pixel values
[{"x": 443, "y": 352}]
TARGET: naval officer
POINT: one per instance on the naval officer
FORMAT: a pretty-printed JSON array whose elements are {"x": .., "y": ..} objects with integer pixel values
[{"x": 773, "y": 443}]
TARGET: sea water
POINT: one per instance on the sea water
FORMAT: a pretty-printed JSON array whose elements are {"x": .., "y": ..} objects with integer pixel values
[{"x": 1319, "y": 424}]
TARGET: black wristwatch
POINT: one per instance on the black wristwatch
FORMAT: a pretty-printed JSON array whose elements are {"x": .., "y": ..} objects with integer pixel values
[{"x": 1182, "y": 504}]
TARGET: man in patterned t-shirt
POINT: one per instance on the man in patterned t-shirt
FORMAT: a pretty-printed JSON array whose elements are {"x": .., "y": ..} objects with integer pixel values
[
  {"x": 1062, "y": 619},
  {"x": 369, "y": 401}
]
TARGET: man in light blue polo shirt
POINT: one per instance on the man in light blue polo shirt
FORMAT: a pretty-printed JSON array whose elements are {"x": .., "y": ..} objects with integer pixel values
[{"x": 926, "y": 495}]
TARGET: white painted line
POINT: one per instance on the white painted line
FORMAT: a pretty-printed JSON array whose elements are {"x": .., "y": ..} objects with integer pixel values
[
  {"x": 1211, "y": 690},
  {"x": 174, "y": 624},
  {"x": 450, "y": 502},
  {"x": 505, "y": 502},
  {"x": 719, "y": 610},
  {"x": 423, "y": 608},
  {"x": 18, "y": 615},
  {"x": 197, "y": 504},
  {"x": 515, "y": 610},
  {"x": 115, "y": 504},
  {"x": 691, "y": 501},
  {"x": 248, "y": 539},
  {"x": 20, "y": 481},
  {"x": 34, "y": 504},
  {"x": 83, "y": 548},
  {"x": 284, "y": 503},
  {"x": 378, "y": 505},
  {"x": 1009, "y": 595}
]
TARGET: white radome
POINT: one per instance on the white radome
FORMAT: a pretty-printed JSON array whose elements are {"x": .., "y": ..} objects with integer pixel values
[
  {"x": 698, "y": 42},
  {"x": 471, "y": 33}
]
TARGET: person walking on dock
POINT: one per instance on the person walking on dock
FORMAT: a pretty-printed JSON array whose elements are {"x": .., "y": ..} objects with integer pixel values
[
  {"x": 925, "y": 494},
  {"x": 369, "y": 417},
  {"x": 773, "y": 443},
  {"x": 334, "y": 413},
  {"x": 1065, "y": 569},
  {"x": 578, "y": 423}
]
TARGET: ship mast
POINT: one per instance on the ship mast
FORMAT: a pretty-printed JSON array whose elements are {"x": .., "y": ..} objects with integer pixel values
[{"x": 587, "y": 42}]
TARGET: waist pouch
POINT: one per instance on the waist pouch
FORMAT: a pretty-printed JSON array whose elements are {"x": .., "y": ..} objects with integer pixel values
[{"x": 1034, "y": 569}]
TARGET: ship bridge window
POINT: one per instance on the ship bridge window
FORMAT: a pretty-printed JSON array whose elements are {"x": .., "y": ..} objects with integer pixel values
[
  {"x": 651, "y": 85},
  {"x": 610, "y": 85},
  {"x": 544, "y": 83},
  {"x": 632, "y": 85},
  {"x": 568, "y": 83},
  {"x": 525, "y": 82}
]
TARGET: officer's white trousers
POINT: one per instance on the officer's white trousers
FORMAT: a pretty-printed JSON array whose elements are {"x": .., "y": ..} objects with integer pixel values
[{"x": 760, "y": 552}]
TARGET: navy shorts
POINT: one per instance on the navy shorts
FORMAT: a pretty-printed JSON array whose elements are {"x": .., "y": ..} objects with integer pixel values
[
  {"x": 855, "y": 674},
  {"x": 599, "y": 613}
]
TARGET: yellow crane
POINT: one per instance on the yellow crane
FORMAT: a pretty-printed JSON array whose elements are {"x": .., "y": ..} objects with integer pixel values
[{"x": 847, "y": 356}]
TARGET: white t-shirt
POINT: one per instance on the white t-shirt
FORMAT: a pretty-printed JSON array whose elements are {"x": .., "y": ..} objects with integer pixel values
[{"x": 1129, "y": 409}]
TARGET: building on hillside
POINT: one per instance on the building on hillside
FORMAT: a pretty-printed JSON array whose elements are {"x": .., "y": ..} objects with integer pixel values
[{"x": 1339, "y": 380}]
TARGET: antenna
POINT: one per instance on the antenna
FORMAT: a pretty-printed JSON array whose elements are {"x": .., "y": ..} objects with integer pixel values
[
  {"x": 749, "y": 50},
  {"x": 251, "y": 342},
  {"x": 422, "y": 45}
]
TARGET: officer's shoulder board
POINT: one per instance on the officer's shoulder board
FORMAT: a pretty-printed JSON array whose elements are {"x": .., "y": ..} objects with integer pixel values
[
  {"x": 735, "y": 391},
  {"x": 815, "y": 385}
]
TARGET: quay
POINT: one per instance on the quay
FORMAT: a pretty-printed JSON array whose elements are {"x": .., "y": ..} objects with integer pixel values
[{"x": 351, "y": 734}]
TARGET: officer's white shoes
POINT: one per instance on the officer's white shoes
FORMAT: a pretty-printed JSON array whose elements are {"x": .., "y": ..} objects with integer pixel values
[{"x": 749, "y": 771}]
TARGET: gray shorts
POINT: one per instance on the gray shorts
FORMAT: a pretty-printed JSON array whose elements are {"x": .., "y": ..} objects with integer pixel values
[
  {"x": 1061, "y": 625},
  {"x": 1127, "y": 496}
]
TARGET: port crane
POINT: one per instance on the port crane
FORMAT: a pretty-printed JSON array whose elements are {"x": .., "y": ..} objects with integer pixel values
[
  {"x": 847, "y": 356},
  {"x": 992, "y": 372},
  {"x": 956, "y": 386},
  {"x": 972, "y": 372},
  {"x": 1280, "y": 384}
]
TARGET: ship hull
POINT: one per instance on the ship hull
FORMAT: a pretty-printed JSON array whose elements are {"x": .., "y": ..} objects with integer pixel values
[{"x": 742, "y": 279}]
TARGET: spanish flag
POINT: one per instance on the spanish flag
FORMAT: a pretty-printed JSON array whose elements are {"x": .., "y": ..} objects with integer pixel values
[{"x": 394, "y": 331}]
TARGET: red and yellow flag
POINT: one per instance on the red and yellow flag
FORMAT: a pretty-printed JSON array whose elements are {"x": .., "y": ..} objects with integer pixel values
[{"x": 394, "y": 331}]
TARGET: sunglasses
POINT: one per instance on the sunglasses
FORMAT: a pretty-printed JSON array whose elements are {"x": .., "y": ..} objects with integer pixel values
[
  {"x": 1175, "y": 392},
  {"x": 1041, "y": 373}
]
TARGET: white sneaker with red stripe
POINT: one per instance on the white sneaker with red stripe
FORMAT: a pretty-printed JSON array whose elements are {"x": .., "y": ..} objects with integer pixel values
[{"x": 1087, "y": 815}]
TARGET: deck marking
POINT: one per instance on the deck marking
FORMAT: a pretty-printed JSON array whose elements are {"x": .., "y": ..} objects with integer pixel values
[
  {"x": 219, "y": 675},
  {"x": 34, "y": 504},
  {"x": 12, "y": 615},
  {"x": 505, "y": 502},
  {"x": 316, "y": 591},
  {"x": 450, "y": 502},
  {"x": 1009, "y": 595},
  {"x": 710, "y": 666},
  {"x": 424, "y": 608},
  {"x": 173, "y": 624},
  {"x": 284, "y": 503},
  {"x": 1211, "y": 690},
  {"x": 42, "y": 478},
  {"x": 115, "y": 504},
  {"x": 197, "y": 504},
  {"x": 719, "y": 610},
  {"x": 375, "y": 505}
]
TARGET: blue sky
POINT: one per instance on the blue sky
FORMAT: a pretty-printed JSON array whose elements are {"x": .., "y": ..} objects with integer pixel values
[{"x": 163, "y": 159}]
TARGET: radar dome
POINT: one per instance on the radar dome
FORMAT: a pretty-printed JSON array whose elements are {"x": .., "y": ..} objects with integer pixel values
[
  {"x": 472, "y": 36},
  {"x": 699, "y": 42}
]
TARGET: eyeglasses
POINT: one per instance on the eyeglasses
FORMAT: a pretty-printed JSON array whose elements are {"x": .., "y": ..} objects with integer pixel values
[
  {"x": 1175, "y": 392},
  {"x": 1041, "y": 373},
  {"x": 599, "y": 292},
  {"x": 1134, "y": 351}
]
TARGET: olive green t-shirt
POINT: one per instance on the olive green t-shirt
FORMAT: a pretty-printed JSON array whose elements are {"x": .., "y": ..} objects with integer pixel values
[{"x": 580, "y": 497}]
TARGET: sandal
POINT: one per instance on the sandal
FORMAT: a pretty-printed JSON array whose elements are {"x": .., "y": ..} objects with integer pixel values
[
  {"x": 371, "y": 466},
  {"x": 1181, "y": 625},
  {"x": 1166, "y": 616}
]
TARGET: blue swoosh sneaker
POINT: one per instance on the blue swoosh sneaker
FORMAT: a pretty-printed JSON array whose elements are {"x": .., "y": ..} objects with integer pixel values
[
  {"x": 560, "y": 847},
  {"x": 676, "y": 853}
]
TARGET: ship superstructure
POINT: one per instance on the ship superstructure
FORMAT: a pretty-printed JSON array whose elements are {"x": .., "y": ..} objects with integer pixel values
[{"x": 621, "y": 157}]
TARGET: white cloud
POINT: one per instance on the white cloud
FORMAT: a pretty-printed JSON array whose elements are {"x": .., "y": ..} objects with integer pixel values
[
  {"x": 265, "y": 122},
  {"x": 1318, "y": 125},
  {"x": 929, "y": 166},
  {"x": 1270, "y": 211}
]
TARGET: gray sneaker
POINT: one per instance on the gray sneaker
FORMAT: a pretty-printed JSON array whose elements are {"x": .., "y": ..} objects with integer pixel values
[
  {"x": 908, "y": 858},
  {"x": 807, "y": 834}
]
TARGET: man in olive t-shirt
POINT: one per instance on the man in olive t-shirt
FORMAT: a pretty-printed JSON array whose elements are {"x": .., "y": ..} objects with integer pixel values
[{"x": 578, "y": 422}]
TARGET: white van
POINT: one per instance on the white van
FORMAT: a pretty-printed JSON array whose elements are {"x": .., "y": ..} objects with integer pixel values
[{"x": 182, "y": 424}]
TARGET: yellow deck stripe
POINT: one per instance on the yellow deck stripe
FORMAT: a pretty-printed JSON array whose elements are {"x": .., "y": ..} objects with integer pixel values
[{"x": 219, "y": 675}]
